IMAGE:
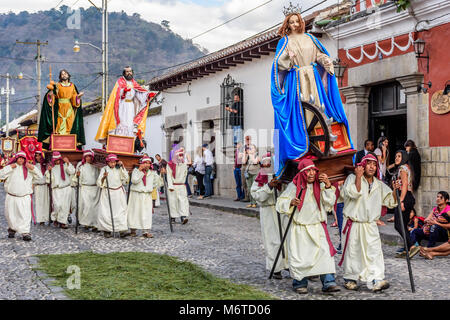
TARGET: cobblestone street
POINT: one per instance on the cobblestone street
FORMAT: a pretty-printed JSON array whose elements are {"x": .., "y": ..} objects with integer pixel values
[{"x": 225, "y": 244}]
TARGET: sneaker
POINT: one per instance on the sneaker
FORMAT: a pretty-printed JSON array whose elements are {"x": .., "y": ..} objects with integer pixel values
[
  {"x": 11, "y": 233},
  {"x": 302, "y": 290},
  {"x": 237, "y": 199},
  {"x": 380, "y": 285},
  {"x": 200, "y": 198},
  {"x": 331, "y": 289},
  {"x": 249, "y": 205},
  {"x": 350, "y": 285},
  {"x": 133, "y": 233},
  {"x": 184, "y": 220},
  {"x": 277, "y": 275},
  {"x": 26, "y": 237},
  {"x": 147, "y": 235},
  {"x": 69, "y": 219}
]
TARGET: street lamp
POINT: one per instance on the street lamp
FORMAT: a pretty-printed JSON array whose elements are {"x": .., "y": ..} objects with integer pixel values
[
  {"x": 419, "y": 49},
  {"x": 339, "y": 69},
  {"x": 76, "y": 48}
]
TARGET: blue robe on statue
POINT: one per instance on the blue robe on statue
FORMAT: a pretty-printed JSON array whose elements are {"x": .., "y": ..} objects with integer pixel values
[{"x": 291, "y": 138}]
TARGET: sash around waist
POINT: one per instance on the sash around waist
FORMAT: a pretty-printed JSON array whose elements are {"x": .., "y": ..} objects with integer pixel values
[
  {"x": 63, "y": 100},
  {"x": 13, "y": 195}
]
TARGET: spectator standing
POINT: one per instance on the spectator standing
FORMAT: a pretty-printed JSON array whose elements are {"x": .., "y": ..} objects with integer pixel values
[
  {"x": 368, "y": 147},
  {"x": 382, "y": 153},
  {"x": 209, "y": 161},
  {"x": 247, "y": 144},
  {"x": 237, "y": 172},
  {"x": 199, "y": 171},
  {"x": 252, "y": 160},
  {"x": 414, "y": 162},
  {"x": 236, "y": 118},
  {"x": 407, "y": 201}
]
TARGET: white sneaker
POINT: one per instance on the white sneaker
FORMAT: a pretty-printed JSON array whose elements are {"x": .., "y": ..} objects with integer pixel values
[{"x": 380, "y": 285}]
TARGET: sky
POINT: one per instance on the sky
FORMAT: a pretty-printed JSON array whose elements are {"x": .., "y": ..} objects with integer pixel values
[{"x": 189, "y": 18}]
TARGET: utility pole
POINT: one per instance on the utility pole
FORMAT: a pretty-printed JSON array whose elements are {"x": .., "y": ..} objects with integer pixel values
[
  {"x": 105, "y": 52},
  {"x": 39, "y": 59},
  {"x": 7, "y": 92}
]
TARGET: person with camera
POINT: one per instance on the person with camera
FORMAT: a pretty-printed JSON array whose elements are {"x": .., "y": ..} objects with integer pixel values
[{"x": 251, "y": 171}]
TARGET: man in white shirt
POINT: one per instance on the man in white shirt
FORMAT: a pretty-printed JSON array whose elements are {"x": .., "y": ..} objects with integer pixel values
[{"x": 209, "y": 161}]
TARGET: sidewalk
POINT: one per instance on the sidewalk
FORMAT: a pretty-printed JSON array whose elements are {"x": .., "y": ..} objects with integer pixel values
[{"x": 387, "y": 232}]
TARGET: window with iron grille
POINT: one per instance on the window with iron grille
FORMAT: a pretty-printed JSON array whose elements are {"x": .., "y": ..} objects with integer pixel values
[{"x": 231, "y": 111}]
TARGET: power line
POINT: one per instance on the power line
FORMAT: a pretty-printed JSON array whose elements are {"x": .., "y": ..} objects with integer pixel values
[
  {"x": 231, "y": 20},
  {"x": 24, "y": 99},
  {"x": 186, "y": 62}
]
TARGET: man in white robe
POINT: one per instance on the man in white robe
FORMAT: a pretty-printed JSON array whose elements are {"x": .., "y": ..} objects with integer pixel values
[
  {"x": 310, "y": 249},
  {"x": 19, "y": 176},
  {"x": 263, "y": 192},
  {"x": 41, "y": 192},
  {"x": 61, "y": 171},
  {"x": 140, "y": 205},
  {"x": 117, "y": 178},
  {"x": 177, "y": 194},
  {"x": 364, "y": 195},
  {"x": 89, "y": 193}
]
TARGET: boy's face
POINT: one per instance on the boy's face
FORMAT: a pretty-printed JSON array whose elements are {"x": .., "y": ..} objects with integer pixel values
[{"x": 112, "y": 164}]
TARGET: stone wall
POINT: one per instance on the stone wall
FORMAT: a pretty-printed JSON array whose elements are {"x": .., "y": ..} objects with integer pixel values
[{"x": 435, "y": 177}]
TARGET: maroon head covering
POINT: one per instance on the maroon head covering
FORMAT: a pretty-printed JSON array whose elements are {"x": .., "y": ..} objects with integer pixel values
[
  {"x": 87, "y": 153},
  {"x": 42, "y": 162},
  {"x": 176, "y": 159},
  {"x": 262, "y": 178},
  {"x": 111, "y": 157},
  {"x": 301, "y": 180},
  {"x": 370, "y": 157},
  {"x": 142, "y": 160},
  {"x": 57, "y": 156},
  {"x": 18, "y": 155}
]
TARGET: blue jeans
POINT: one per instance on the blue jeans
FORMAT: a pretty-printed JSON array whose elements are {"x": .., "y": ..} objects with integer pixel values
[
  {"x": 237, "y": 134},
  {"x": 188, "y": 188},
  {"x": 328, "y": 280},
  {"x": 237, "y": 177},
  {"x": 207, "y": 181}
]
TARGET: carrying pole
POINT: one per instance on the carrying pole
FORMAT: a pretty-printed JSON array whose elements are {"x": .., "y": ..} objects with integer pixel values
[
  {"x": 167, "y": 202},
  {"x": 110, "y": 205},
  {"x": 280, "y": 230}
]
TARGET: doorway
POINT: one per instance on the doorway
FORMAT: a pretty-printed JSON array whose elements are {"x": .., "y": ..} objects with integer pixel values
[{"x": 387, "y": 116}]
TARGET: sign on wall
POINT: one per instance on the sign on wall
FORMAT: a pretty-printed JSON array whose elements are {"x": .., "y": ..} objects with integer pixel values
[{"x": 440, "y": 103}]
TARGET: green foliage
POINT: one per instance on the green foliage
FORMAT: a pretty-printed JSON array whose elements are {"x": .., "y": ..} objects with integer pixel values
[
  {"x": 143, "y": 276},
  {"x": 133, "y": 41},
  {"x": 402, "y": 4}
]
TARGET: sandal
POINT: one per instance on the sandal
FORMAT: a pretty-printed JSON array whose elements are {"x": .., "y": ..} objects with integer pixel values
[{"x": 147, "y": 235}]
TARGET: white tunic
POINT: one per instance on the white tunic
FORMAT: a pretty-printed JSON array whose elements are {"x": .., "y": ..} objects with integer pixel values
[
  {"x": 116, "y": 179},
  {"x": 18, "y": 196},
  {"x": 140, "y": 204},
  {"x": 128, "y": 108},
  {"x": 178, "y": 201},
  {"x": 61, "y": 192},
  {"x": 363, "y": 257},
  {"x": 89, "y": 194},
  {"x": 309, "y": 251},
  {"x": 265, "y": 198},
  {"x": 41, "y": 198}
]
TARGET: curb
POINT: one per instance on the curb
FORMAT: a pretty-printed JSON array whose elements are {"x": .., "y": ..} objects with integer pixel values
[
  {"x": 57, "y": 292},
  {"x": 387, "y": 237},
  {"x": 241, "y": 211}
]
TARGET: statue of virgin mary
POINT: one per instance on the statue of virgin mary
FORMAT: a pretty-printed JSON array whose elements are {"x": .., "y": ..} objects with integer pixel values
[{"x": 302, "y": 71}]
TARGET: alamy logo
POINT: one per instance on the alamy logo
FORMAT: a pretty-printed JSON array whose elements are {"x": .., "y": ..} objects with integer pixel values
[
  {"x": 74, "y": 20},
  {"x": 74, "y": 281}
]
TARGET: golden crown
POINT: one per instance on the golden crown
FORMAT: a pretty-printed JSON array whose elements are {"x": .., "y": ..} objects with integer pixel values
[{"x": 291, "y": 9}]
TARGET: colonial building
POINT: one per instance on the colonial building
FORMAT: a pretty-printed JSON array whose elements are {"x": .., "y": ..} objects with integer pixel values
[{"x": 385, "y": 86}]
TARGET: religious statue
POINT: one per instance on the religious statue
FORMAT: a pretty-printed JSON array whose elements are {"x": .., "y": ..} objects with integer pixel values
[
  {"x": 126, "y": 111},
  {"x": 61, "y": 111},
  {"x": 302, "y": 71}
]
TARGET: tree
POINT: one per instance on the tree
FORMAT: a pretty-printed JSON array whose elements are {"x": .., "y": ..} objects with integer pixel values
[{"x": 165, "y": 24}]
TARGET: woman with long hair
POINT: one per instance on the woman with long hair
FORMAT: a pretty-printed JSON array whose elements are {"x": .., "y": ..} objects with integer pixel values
[
  {"x": 414, "y": 162},
  {"x": 382, "y": 153},
  {"x": 402, "y": 173}
]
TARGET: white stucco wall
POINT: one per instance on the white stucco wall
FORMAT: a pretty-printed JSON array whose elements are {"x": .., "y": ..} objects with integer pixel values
[
  {"x": 91, "y": 123},
  {"x": 154, "y": 135}
]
